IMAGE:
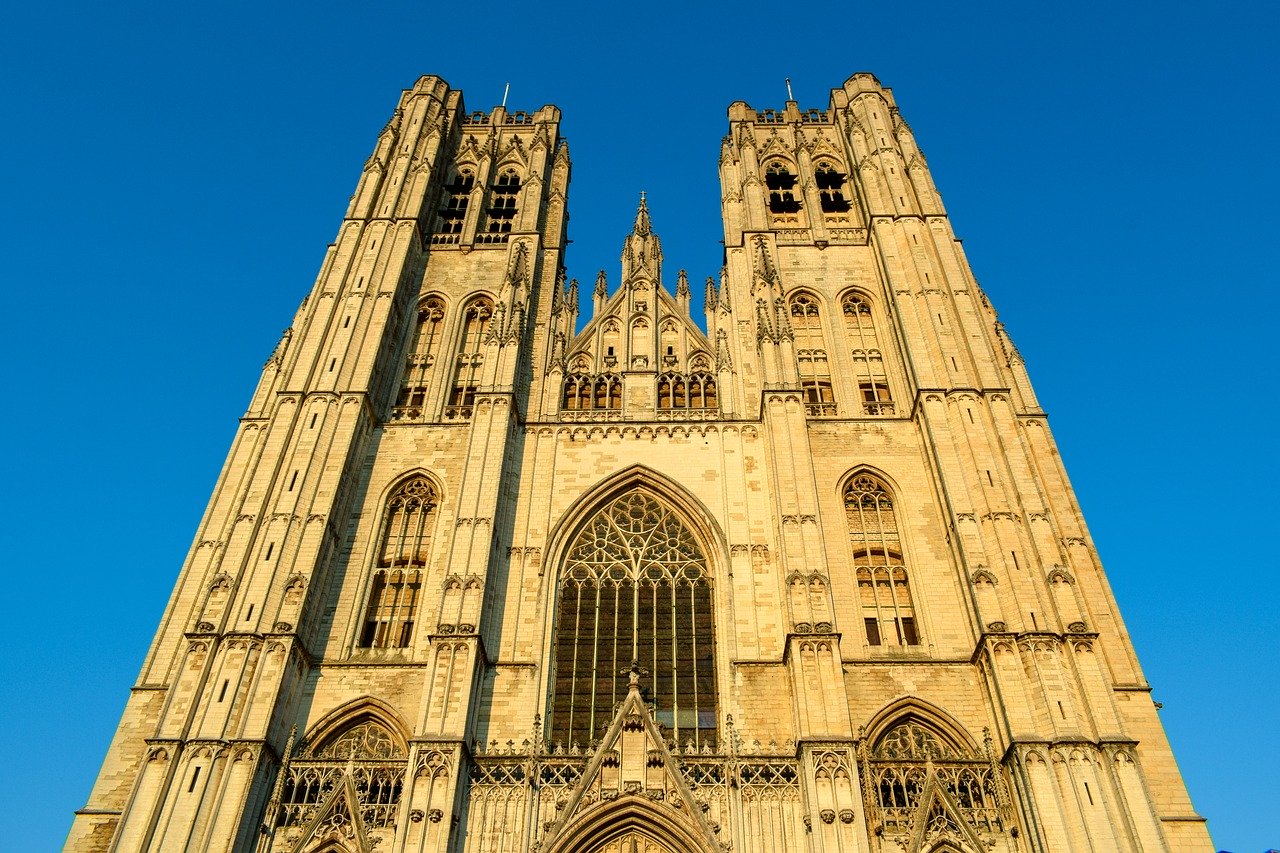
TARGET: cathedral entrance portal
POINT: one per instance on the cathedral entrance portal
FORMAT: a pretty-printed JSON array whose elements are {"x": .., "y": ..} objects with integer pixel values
[{"x": 631, "y": 842}]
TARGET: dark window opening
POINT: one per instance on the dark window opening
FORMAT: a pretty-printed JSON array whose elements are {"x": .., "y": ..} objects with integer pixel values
[
  {"x": 817, "y": 390},
  {"x": 463, "y": 395},
  {"x": 830, "y": 185},
  {"x": 502, "y": 202},
  {"x": 695, "y": 391},
  {"x": 454, "y": 209},
  {"x": 781, "y": 185}
]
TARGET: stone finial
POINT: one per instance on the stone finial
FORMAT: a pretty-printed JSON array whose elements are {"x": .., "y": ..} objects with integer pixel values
[{"x": 642, "y": 227}]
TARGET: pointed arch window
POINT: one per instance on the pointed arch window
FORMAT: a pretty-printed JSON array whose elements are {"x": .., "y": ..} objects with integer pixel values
[
  {"x": 583, "y": 391},
  {"x": 453, "y": 210},
  {"x": 884, "y": 594},
  {"x": 781, "y": 185},
  {"x": 577, "y": 393},
  {"x": 501, "y": 212},
  {"x": 415, "y": 385},
  {"x": 404, "y": 549},
  {"x": 315, "y": 786},
  {"x": 912, "y": 762},
  {"x": 811, "y": 355},
  {"x": 830, "y": 190},
  {"x": 635, "y": 586},
  {"x": 475, "y": 332},
  {"x": 806, "y": 321},
  {"x": 687, "y": 391},
  {"x": 868, "y": 357}
]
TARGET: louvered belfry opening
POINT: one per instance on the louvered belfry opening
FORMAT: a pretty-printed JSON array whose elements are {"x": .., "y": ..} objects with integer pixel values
[{"x": 635, "y": 586}]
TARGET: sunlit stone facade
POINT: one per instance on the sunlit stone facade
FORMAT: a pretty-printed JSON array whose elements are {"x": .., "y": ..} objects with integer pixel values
[{"x": 805, "y": 576}]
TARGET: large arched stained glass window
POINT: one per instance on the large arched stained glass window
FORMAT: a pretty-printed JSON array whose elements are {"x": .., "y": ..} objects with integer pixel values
[{"x": 634, "y": 587}]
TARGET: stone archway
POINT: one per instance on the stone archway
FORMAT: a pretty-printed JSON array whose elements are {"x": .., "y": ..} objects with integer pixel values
[
  {"x": 631, "y": 825},
  {"x": 631, "y": 842}
]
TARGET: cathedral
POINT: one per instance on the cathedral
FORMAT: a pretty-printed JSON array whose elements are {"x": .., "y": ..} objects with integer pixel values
[{"x": 804, "y": 575}]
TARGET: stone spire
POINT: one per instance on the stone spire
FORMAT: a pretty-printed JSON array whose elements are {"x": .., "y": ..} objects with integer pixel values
[
  {"x": 642, "y": 250},
  {"x": 642, "y": 227}
]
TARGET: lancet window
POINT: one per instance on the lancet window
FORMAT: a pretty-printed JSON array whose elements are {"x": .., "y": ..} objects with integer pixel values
[
  {"x": 403, "y": 552},
  {"x": 811, "y": 355},
  {"x": 884, "y": 594},
  {"x": 781, "y": 186},
  {"x": 415, "y": 386},
  {"x": 635, "y": 586},
  {"x": 868, "y": 358},
  {"x": 470, "y": 360},
  {"x": 830, "y": 191},
  {"x": 687, "y": 391},
  {"x": 372, "y": 756},
  {"x": 901, "y": 763},
  {"x": 815, "y": 382},
  {"x": 453, "y": 209},
  {"x": 501, "y": 212}
]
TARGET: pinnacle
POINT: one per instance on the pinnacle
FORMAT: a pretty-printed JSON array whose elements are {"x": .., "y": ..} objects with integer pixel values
[
  {"x": 682, "y": 284},
  {"x": 643, "y": 226}
]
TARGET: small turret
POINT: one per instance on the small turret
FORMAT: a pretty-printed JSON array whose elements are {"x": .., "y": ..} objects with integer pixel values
[
  {"x": 601, "y": 294},
  {"x": 682, "y": 291}
]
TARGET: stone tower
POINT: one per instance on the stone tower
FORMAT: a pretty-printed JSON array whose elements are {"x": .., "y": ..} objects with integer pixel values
[{"x": 474, "y": 579}]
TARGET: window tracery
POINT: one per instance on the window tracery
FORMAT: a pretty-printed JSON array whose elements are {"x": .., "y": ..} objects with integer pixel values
[
  {"x": 361, "y": 741},
  {"x": 811, "y": 355},
  {"x": 781, "y": 184},
  {"x": 911, "y": 759},
  {"x": 687, "y": 391},
  {"x": 635, "y": 586},
  {"x": 475, "y": 331},
  {"x": 831, "y": 192},
  {"x": 598, "y": 392},
  {"x": 453, "y": 210},
  {"x": 501, "y": 212},
  {"x": 868, "y": 359},
  {"x": 376, "y": 763},
  {"x": 884, "y": 593},
  {"x": 415, "y": 385},
  {"x": 404, "y": 550}
]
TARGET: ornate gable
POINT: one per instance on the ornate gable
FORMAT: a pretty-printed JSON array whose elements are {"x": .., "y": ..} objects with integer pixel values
[
  {"x": 513, "y": 155},
  {"x": 648, "y": 307},
  {"x": 632, "y": 772}
]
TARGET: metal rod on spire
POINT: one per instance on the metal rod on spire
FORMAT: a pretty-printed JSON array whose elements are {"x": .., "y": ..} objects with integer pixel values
[
  {"x": 506, "y": 90},
  {"x": 789, "y": 97}
]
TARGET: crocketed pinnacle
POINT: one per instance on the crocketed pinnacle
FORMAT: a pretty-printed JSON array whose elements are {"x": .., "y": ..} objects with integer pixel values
[{"x": 643, "y": 226}]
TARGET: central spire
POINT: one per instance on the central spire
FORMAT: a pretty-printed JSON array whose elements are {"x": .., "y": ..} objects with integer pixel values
[
  {"x": 642, "y": 250},
  {"x": 642, "y": 226}
]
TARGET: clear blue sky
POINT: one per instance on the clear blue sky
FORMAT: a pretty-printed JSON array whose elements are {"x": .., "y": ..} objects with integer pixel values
[{"x": 174, "y": 172}]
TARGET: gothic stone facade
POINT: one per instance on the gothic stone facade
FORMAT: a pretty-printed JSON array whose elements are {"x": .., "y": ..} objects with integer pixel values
[{"x": 812, "y": 579}]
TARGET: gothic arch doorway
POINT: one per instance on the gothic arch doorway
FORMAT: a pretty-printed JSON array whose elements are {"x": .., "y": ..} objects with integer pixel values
[
  {"x": 632, "y": 825},
  {"x": 631, "y": 842}
]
